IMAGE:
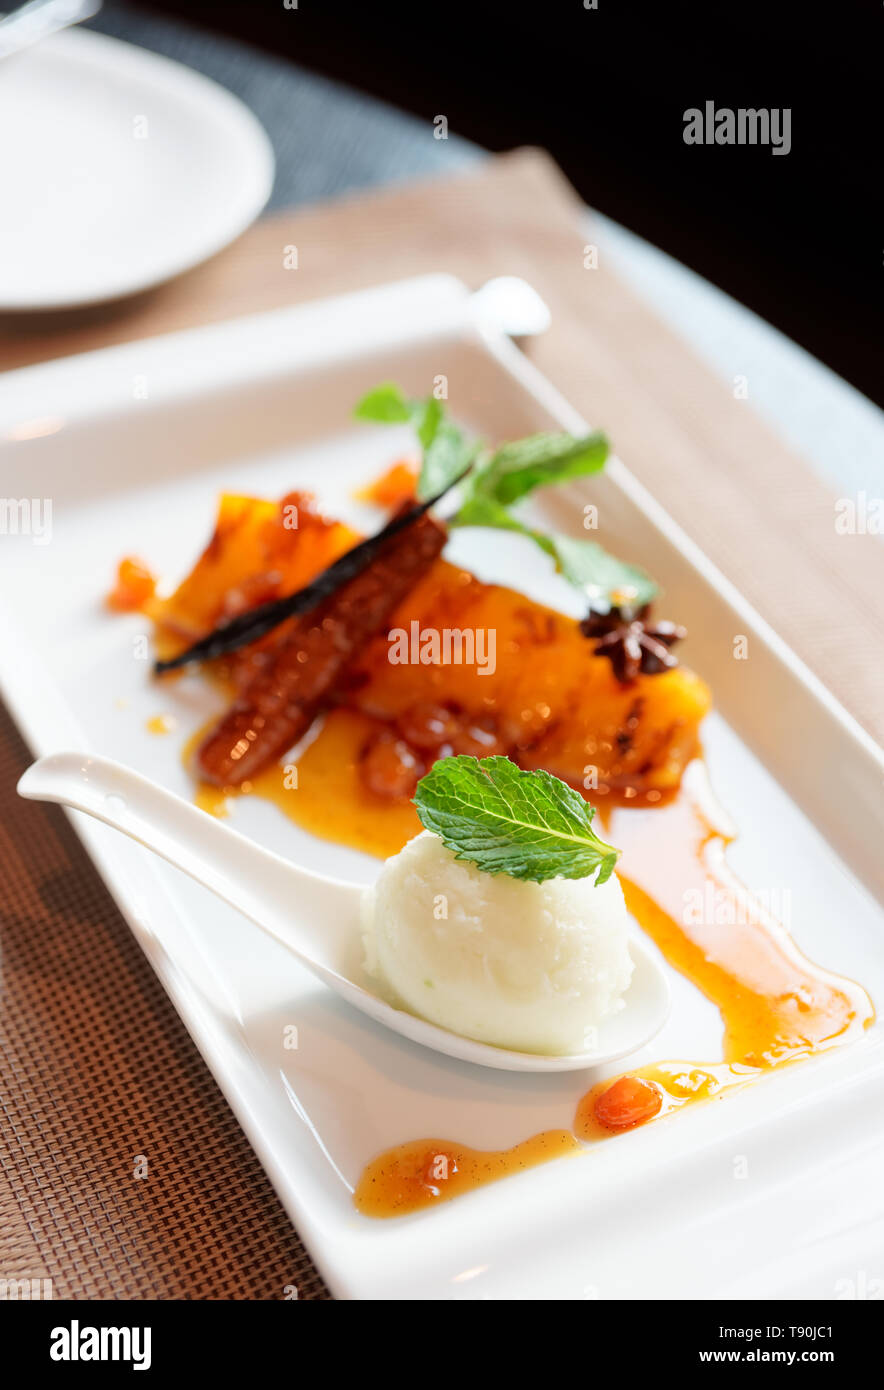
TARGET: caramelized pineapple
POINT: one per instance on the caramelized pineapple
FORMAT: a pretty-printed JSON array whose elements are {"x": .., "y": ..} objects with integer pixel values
[
  {"x": 549, "y": 700},
  {"x": 258, "y": 551},
  {"x": 538, "y": 693}
]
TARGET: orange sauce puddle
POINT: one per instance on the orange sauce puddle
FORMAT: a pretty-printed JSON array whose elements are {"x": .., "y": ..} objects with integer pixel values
[
  {"x": 776, "y": 1006},
  {"x": 325, "y": 794},
  {"x": 331, "y": 800},
  {"x": 427, "y": 1171}
]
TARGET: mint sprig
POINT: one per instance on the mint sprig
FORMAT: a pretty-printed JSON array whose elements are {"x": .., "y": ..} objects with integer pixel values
[
  {"x": 505, "y": 820},
  {"x": 506, "y": 475},
  {"x": 604, "y": 579},
  {"x": 385, "y": 404},
  {"x": 518, "y": 468},
  {"x": 601, "y": 577},
  {"x": 447, "y": 452}
]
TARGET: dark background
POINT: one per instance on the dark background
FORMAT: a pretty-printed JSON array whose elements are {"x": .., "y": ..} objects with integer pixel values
[{"x": 797, "y": 238}]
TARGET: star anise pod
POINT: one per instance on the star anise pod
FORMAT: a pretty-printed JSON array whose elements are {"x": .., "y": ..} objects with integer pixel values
[{"x": 632, "y": 643}]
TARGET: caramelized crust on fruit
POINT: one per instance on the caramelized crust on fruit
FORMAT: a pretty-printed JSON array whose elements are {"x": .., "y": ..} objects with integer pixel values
[
  {"x": 302, "y": 673},
  {"x": 258, "y": 551},
  {"x": 545, "y": 700},
  {"x": 549, "y": 700}
]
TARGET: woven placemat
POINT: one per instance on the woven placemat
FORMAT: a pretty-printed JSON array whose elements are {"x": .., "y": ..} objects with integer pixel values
[
  {"x": 98, "y": 1072},
  {"x": 95, "y": 1067}
]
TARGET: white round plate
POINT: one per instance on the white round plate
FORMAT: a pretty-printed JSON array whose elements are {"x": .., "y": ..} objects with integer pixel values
[{"x": 118, "y": 170}]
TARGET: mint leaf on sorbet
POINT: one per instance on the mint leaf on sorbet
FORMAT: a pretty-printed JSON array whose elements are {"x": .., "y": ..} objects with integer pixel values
[{"x": 506, "y": 820}]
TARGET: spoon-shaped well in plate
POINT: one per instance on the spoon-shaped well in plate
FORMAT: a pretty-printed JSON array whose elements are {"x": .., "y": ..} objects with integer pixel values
[{"x": 316, "y": 918}]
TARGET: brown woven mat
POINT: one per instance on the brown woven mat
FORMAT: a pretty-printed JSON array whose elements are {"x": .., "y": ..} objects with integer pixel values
[
  {"x": 95, "y": 1067},
  {"x": 96, "y": 1071}
]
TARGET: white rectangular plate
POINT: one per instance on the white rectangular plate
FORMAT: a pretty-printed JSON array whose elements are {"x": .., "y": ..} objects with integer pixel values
[{"x": 133, "y": 445}]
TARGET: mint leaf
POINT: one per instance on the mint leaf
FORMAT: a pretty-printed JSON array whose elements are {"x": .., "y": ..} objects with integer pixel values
[
  {"x": 478, "y": 510},
  {"x": 446, "y": 457},
  {"x": 385, "y": 404},
  {"x": 427, "y": 415},
  {"x": 446, "y": 451},
  {"x": 506, "y": 475},
  {"x": 505, "y": 820},
  {"x": 605, "y": 580},
  {"x": 518, "y": 468},
  {"x": 589, "y": 567}
]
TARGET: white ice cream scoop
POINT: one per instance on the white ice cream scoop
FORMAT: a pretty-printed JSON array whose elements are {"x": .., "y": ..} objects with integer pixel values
[
  {"x": 532, "y": 967},
  {"x": 316, "y": 918}
]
